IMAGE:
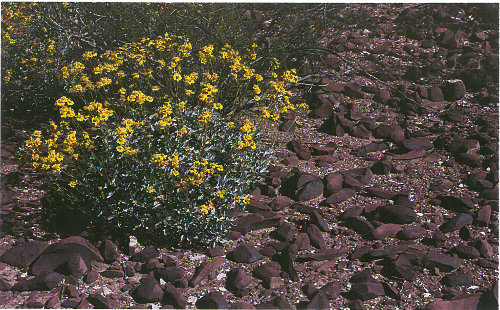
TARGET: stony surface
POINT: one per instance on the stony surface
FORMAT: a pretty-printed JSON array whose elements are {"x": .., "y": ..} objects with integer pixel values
[{"x": 385, "y": 196}]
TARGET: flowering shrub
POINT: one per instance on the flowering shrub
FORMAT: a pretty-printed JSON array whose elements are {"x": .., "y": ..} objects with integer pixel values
[{"x": 143, "y": 145}]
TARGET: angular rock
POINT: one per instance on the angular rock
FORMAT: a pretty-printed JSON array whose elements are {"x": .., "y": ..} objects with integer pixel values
[
  {"x": 146, "y": 254},
  {"x": 483, "y": 216},
  {"x": 463, "y": 302},
  {"x": 267, "y": 270},
  {"x": 110, "y": 251},
  {"x": 456, "y": 222},
  {"x": 245, "y": 253},
  {"x": 23, "y": 255},
  {"x": 411, "y": 233},
  {"x": 112, "y": 273},
  {"x": 4, "y": 285},
  {"x": 148, "y": 291},
  {"x": 396, "y": 214},
  {"x": 441, "y": 261},
  {"x": 285, "y": 232},
  {"x": 457, "y": 278},
  {"x": 333, "y": 183},
  {"x": 484, "y": 248},
  {"x": 99, "y": 301},
  {"x": 381, "y": 167},
  {"x": 453, "y": 90},
  {"x": 340, "y": 196},
  {"x": 281, "y": 202},
  {"x": 170, "y": 274},
  {"x": 359, "y": 224},
  {"x": 205, "y": 269},
  {"x": 384, "y": 231},
  {"x": 366, "y": 290},
  {"x": 319, "y": 221},
  {"x": 43, "y": 282},
  {"x": 381, "y": 193},
  {"x": 393, "y": 133},
  {"x": 257, "y": 221},
  {"x": 324, "y": 254},
  {"x": 302, "y": 241},
  {"x": 410, "y": 155},
  {"x": 212, "y": 300},
  {"x": 465, "y": 251},
  {"x": 362, "y": 175},
  {"x": 318, "y": 301},
  {"x": 315, "y": 236},
  {"x": 416, "y": 144},
  {"x": 237, "y": 282},
  {"x": 310, "y": 190},
  {"x": 456, "y": 204},
  {"x": 436, "y": 95},
  {"x": 257, "y": 206},
  {"x": 301, "y": 150}
]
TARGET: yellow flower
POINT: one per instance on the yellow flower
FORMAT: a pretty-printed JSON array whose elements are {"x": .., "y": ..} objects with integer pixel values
[
  {"x": 182, "y": 131},
  {"x": 256, "y": 89},
  {"x": 176, "y": 76},
  {"x": 230, "y": 125},
  {"x": 218, "y": 106},
  {"x": 187, "y": 148},
  {"x": 174, "y": 173},
  {"x": 220, "y": 194},
  {"x": 189, "y": 92},
  {"x": 156, "y": 88},
  {"x": 150, "y": 190},
  {"x": 120, "y": 149},
  {"x": 72, "y": 184}
]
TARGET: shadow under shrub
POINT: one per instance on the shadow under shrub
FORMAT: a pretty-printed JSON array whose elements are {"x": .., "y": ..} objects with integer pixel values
[{"x": 143, "y": 145}]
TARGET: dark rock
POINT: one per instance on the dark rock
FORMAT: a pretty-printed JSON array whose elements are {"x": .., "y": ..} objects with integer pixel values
[
  {"x": 245, "y": 253},
  {"x": 340, "y": 196},
  {"x": 441, "y": 261},
  {"x": 319, "y": 221},
  {"x": 318, "y": 150},
  {"x": 396, "y": 214},
  {"x": 110, "y": 251},
  {"x": 285, "y": 232},
  {"x": 148, "y": 291},
  {"x": 487, "y": 263},
  {"x": 332, "y": 289},
  {"x": 381, "y": 167},
  {"x": 457, "y": 278},
  {"x": 23, "y": 255},
  {"x": 146, "y": 254},
  {"x": 484, "y": 248},
  {"x": 381, "y": 193},
  {"x": 59, "y": 255},
  {"x": 205, "y": 269},
  {"x": 456, "y": 204},
  {"x": 351, "y": 212},
  {"x": 416, "y": 144},
  {"x": 456, "y": 222},
  {"x": 287, "y": 258},
  {"x": 453, "y": 90},
  {"x": 441, "y": 186},
  {"x": 310, "y": 190},
  {"x": 215, "y": 251},
  {"x": 359, "y": 224},
  {"x": 411, "y": 233},
  {"x": 212, "y": 300},
  {"x": 469, "y": 159},
  {"x": 242, "y": 305},
  {"x": 393, "y": 133},
  {"x": 356, "y": 305},
  {"x": 257, "y": 221},
  {"x": 301, "y": 150},
  {"x": 325, "y": 111},
  {"x": 410, "y": 155},
  {"x": 281, "y": 202},
  {"x": 382, "y": 96},
  {"x": 463, "y": 302},
  {"x": 267, "y": 270},
  {"x": 302, "y": 241},
  {"x": 366, "y": 290},
  {"x": 465, "y": 251},
  {"x": 361, "y": 132},
  {"x": 4, "y": 285},
  {"x": 257, "y": 206},
  {"x": 436, "y": 95},
  {"x": 99, "y": 301},
  {"x": 91, "y": 277},
  {"x": 324, "y": 254},
  {"x": 237, "y": 282},
  {"x": 52, "y": 302},
  {"x": 365, "y": 275},
  {"x": 71, "y": 303},
  {"x": 43, "y": 282},
  {"x": 357, "y": 177},
  {"x": 483, "y": 216},
  {"x": 385, "y": 231},
  {"x": 315, "y": 236},
  {"x": 400, "y": 268},
  {"x": 112, "y": 273},
  {"x": 333, "y": 183},
  {"x": 318, "y": 301},
  {"x": 170, "y": 274}
]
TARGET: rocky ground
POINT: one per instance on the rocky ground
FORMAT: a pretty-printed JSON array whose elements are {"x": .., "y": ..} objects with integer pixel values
[{"x": 384, "y": 196}]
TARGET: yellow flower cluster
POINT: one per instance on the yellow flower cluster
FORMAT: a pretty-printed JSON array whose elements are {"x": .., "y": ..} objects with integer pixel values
[
  {"x": 88, "y": 55},
  {"x": 204, "y": 209},
  {"x": 139, "y": 97},
  {"x": 69, "y": 72}
]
